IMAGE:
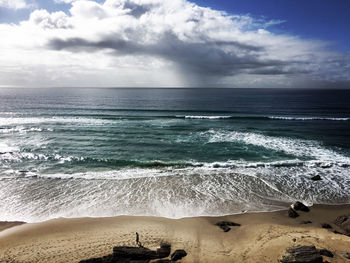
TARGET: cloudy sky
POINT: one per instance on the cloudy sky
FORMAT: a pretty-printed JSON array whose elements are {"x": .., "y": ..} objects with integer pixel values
[{"x": 175, "y": 43}]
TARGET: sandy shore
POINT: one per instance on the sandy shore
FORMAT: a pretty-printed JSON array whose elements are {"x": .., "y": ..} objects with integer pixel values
[
  {"x": 262, "y": 237},
  {"x": 5, "y": 225}
]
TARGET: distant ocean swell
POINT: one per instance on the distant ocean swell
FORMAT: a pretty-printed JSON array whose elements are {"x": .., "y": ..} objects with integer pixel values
[{"x": 103, "y": 119}]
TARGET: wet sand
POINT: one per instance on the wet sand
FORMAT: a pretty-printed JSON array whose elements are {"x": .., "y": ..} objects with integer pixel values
[
  {"x": 5, "y": 225},
  {"x": 262, "y": 237}
]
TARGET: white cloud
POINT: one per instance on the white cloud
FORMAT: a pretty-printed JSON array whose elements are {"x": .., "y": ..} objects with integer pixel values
[
  {"x": 14, "y": 4},
  {"x": 158, "y": 43}
]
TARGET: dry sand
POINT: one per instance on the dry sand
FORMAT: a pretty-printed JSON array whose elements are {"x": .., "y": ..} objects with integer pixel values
[{"x": 262, "y": 237}]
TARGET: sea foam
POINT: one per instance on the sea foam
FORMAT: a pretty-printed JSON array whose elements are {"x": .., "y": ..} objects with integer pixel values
[
  {"x": 292, "y": 146},
  {"x": 262, "y": 117}
]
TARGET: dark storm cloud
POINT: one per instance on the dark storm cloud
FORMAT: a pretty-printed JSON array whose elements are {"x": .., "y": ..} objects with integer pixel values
[
  {"x": 135, "y": 9},
  {"x": 206, "y": 58},
  {"x": 282, "y": 69},
  {"x": 79, "y": 45}
]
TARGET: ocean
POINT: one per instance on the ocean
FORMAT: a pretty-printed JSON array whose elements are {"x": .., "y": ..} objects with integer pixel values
[{"x": 170, "y": 152}]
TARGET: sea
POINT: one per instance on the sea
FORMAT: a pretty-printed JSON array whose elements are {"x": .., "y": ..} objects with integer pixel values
[{"x": 101, "y": 152}]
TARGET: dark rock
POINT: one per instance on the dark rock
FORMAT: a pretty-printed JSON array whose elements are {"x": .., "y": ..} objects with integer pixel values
[
  {"x": 305, "y": 222},
  {"x": 163, "y": 261},
  {"x": 325, "y": 225},
  {"x": 164, "y": 250},
  {"x": 316, "y": 178},
  {"x": 292, "y": 213},
  {"x": 225, "y": 228},
  {"x": 178, "y": 254},
  {"x": 325, "y": 252},
  {"x": 225, "y": 225},
  {"x": 105, "y": 259},
  {"x": 302, "y": 254},
  {"x": 341, "y": 219},
  {"x": 326, "y": 165},
  {"x": 138, "y": 253},
  {"x": 340, "y": 233},
  {"x": 300, "y": 206},
  {"x": 294, "y": 240},
  {"x": 344, "y": 223},
  {"x": 126, "y": 254},
  {"x": 345, "y": 254}
]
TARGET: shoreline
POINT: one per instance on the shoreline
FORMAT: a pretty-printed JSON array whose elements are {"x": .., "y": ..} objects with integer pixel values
[
  {"x": 8, "y": 224},
  {"x": 262, "y": 237}
]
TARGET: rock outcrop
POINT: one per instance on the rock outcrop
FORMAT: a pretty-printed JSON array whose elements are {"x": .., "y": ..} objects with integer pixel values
[
  {"x": 305, "y": 254},
  {"x": 125, "y": 254},
  {"x": 292, "y": 213},
  {"x": 225, "y": 225},
  {"x": 345, "y": 254},
  {"x": 178, "y": 254},
  {"x": 325, "y": 225},
  {"x": 316, "y": 178},
  {"x": 344, "y": 223},
  {"x": 299, "y": 206}
]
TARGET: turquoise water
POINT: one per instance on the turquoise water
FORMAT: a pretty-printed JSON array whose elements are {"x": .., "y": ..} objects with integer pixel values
[{"x": 170, "y": 152}]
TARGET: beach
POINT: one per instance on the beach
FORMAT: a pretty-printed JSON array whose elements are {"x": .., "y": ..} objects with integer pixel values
[
  {"x": 261, "y": 237},
  {"x": 174, "y": 131}
]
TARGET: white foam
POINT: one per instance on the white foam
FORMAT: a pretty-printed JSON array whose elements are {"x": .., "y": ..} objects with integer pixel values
[
  {"x": 285, "y": 163},
  {"x": 295, "y": 147},
  {"x": 211, "y": 117},
  {"x": 197, "y": 168},
  {"x": 22, "y": 130},
  {"x": 17, "y": 156},
  {"x": 308, "y": 118},
  {"x": 122, "y": 174},
  {"x": 199, "y": 191},
  {"x": 14, "y": 154},
  {"x": 204, "y": 117},
  {"x": 5, "y": 148}
]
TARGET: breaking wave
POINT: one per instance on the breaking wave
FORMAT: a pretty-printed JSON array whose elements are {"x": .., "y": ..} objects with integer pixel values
[
  {"x": 130, "y": 172},
  {"x": 5, "y": 122},
  {"x": 206, "y": 117},
  {"x": 295, "y": 147},
  {"x": 308, "y": 118},
  {"x": 209, "y": 117},
  {"x": 173, "y": 193}
]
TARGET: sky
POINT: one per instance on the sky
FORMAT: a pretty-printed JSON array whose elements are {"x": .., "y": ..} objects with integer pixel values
[{"x": 175, "y": 43}]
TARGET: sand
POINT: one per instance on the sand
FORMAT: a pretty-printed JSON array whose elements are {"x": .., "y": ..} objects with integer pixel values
[
  {"x": 262, "y": 237},
  {"x": 4, "y": 225}
]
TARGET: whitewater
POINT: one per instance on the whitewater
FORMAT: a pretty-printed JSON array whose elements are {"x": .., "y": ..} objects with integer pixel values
[{"x": 170, "y": 152}]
